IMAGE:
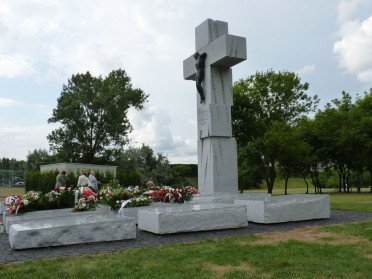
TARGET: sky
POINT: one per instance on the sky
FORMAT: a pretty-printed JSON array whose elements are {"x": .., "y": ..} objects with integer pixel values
[{"x": 43, "y": 42}]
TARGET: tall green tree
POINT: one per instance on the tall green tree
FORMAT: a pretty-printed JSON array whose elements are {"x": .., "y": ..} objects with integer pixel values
[
  {"x": 292, "y": 151},
  {"x": 363, "y": 112},
  {"x": 311, "y": 164},
  {"x": 338, "y": 131},
  {"x": 92, "y": 113},
  {"x": 150, "y": 165},
  {"x": 259, "y": 101},
  {"x": 38, "y": 157}
]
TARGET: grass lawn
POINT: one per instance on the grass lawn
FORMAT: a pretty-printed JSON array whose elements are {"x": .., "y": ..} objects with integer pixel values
[
  {"x": 7, "y": 191},
  {"x": 342, "y": 201},
  {"x": 351, "y": 201},
  {"x": 343, "y": 251}
]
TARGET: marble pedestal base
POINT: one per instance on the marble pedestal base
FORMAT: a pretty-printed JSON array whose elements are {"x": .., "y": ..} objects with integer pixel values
[
  {"x": 47, "y": 214},
  {"x": 285, "y": 208},
  {"x": 71, "y": 230},
  {"x": 192, "y": 217}
]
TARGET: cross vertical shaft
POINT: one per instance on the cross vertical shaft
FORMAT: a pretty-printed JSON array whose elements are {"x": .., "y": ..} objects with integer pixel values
[{"x": 217, "y": 156}]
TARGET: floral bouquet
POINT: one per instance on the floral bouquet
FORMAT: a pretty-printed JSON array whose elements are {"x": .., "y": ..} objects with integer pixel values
[
  {"x": 85, "y": 204},
  {"x": 15, "y": 204},
  {"x": 173, "y": 195},
  {"x": 114, "y": 197},
  {"x": 85, "y": 199},
  {"x": 139, "y": 201}
]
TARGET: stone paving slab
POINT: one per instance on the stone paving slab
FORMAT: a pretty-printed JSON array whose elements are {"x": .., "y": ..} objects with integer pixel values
[{"x": 146, "y": 239}]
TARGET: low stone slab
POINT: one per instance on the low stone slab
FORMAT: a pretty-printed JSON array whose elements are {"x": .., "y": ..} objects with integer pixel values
[
  {"x": 221, "y": 197},
  {"x": 2, "y": 207},
  {"x": 71, "y": 230},
  {"x": 133, "y": 211},
  {"x": 9, "y": 220},
  {"x": 285, "y": 208},
  {"x": 192, "y": 217}
]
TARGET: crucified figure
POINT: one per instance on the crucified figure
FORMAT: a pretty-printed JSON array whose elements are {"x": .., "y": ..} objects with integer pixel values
[{"x": 199, "y": 64}]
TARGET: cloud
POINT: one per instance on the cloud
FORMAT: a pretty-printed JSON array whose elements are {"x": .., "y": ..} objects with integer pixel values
[
  {"x": 15, "y": 65},
  {"x": 354, "y": 46},
  {"x": 346, "y": 10},
  {"x": 66, "y": 37},
  {"x": 152, "y": 127},
  {"x": 5, "y": 102},
  {"x": 306, "y": 70},
  {"x": 16, "y": 142}
]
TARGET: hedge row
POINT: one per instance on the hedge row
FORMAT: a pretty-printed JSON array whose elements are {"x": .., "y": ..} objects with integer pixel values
[{"x": 45, "y": 181}]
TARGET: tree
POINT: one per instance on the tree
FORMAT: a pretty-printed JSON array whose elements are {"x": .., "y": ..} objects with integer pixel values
[
  {"x": 93, "y": 114},
  {"x": 259, "y": 101},
  {"x": 292, "y": 151},
  {"x": 363, "y": 112},
  {"x": 311, "y": 164},
  {"x": 38, "y": 157},
  {"x": 338, "y": 130},
  {"x": 150, "y": 166}
]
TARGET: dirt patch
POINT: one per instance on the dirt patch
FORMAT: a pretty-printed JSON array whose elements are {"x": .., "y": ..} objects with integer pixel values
[
  {"x": 221, "y": 270},
  {"x": 306, "y": 235},
  {"x": 369, "y": 256}
]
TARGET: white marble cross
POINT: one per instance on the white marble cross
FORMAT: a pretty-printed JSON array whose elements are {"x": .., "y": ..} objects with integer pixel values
[{"x": 217, "y": 159}]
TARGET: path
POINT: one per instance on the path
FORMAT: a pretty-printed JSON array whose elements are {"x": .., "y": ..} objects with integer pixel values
[{"x": 145, "y": 239}]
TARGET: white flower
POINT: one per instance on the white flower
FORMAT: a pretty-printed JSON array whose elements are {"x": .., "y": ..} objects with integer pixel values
[{"x": 25, "y": 202}]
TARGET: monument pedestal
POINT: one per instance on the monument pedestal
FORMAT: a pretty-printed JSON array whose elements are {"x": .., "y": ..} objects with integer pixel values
[{"x": 217, "y": 165}]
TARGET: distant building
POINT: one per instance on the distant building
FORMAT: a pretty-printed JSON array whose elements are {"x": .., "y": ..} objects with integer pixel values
[{"x": 77, "y": 167}]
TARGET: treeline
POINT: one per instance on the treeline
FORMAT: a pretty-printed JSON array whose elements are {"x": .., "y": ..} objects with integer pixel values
[
  {"x": 276, "y": 137},
  {"x": 12, "y": 164}
]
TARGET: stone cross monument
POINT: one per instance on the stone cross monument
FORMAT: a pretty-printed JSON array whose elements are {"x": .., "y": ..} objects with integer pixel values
[{"x": 217, "y": 156}]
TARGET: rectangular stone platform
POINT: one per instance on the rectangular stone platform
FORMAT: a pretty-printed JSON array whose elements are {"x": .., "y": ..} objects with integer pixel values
[
  {"x": 71, "y": 230},
  {"x": 9, "y": 220},
  {"x": 133, "y": 211},
  {"x": 192, "y": 217},
  {"x": 285, "y": 208},
  {"x": 222, "y": 197},
  {"x": 2, "y": 207}
]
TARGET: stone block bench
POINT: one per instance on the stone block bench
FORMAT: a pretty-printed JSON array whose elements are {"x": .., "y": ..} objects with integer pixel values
[
  {"x": 192, "y": 217},
  {"x": 285, "y": 208},
  {"x": 9, "y": 220},
  {"x": 221, "y": 197},
  {"x": 71, "y": 230},
  {"x": 133, "y": 211}
]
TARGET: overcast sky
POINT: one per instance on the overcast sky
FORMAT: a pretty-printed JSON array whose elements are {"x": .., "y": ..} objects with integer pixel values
[{"x": 43, "y": 42}]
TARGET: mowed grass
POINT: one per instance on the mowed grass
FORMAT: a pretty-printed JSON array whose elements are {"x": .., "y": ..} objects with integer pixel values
[
  {"x": 351, "y": 201},
  {"x": 343, "y": 251},
  {"x": 7, "y": 191},
  {"x": 342, "y": 201}
]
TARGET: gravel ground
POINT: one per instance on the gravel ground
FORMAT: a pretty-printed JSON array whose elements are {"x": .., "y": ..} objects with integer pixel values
[{"x": 146, "y": 239}]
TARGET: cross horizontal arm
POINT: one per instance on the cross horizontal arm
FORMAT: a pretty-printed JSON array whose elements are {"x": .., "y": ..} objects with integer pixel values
[{"x": 225, "y": 51}]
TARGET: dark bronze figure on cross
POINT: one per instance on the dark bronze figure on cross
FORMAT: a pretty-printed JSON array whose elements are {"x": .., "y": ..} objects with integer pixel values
[{"x": 199, "y": 64}]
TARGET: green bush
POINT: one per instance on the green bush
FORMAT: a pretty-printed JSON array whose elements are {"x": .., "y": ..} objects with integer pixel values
[
  {"x": 127, "y": 178},
  {"x": 43, "y": 182}
]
